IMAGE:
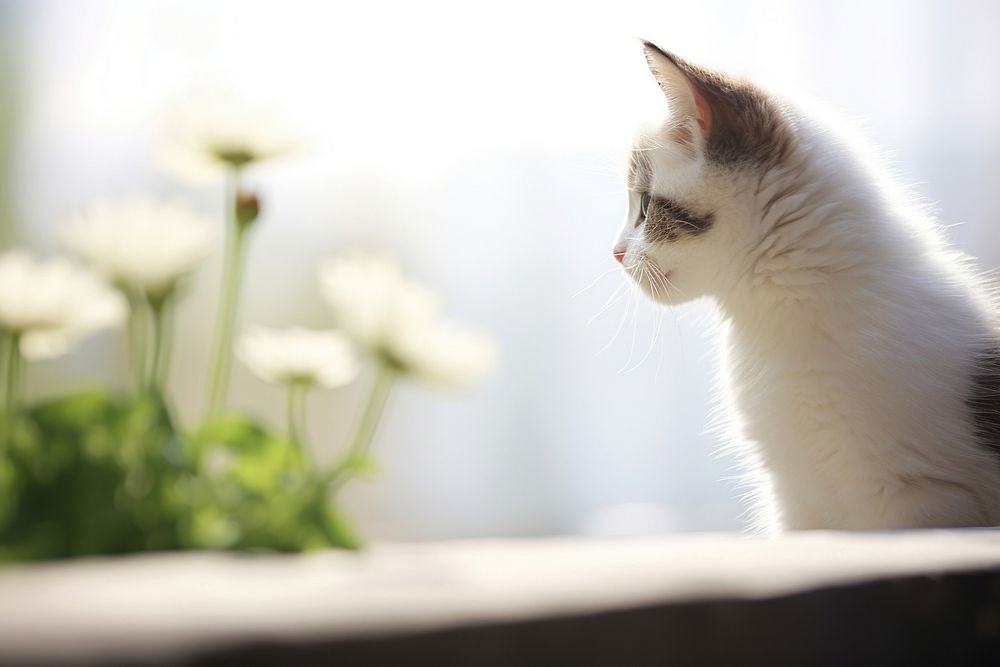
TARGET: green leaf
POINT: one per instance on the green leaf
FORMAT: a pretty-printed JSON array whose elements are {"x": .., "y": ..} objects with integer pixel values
[
  {"x": 236, "y": 432},
  {"x": 212, "y": 529},
  {"x": 340, "y": 531},
  {"x": 264, "y": 469},
  {"x": 80, "y": 410}
]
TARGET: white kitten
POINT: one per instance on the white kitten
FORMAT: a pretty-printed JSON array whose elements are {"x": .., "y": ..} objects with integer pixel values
[{"x": 862, "y": 356}]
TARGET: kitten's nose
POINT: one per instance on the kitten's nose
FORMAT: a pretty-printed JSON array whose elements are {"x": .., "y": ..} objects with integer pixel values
[{"x": 619, "y": 254}]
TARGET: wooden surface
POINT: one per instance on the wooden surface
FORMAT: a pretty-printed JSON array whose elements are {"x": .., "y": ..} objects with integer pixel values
[{"x": 519, "y": 602}]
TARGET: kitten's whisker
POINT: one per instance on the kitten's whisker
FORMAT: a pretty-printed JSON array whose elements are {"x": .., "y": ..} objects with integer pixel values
[
  {"x": 607, "y": 167},
  {"x": 615, "y": 296},
  {"x": 621, "y": 325},
  {"x": 635, "y": 326},
  {"x": 670, "y": 284},
  {"x": 659, "y": 361},
  {"x": 614, "y": 193},
  {"x": 654, "y": 286},
  {"x": 605, "y": 258},
  {"x": 677, "y": 327},
  {"x": 656, "y": 338},
  {"x": 595, "y": 281}
]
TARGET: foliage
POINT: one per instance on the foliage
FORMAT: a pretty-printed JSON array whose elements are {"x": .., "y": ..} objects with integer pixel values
[{"x": 98, "y": 474}]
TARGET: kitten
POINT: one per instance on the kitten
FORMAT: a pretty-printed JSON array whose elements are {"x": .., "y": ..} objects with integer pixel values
[{"x": 862, "y": 358}]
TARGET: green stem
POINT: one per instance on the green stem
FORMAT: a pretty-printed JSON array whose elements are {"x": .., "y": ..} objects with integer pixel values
[
  {"x": 12, "y": 375},
  {"x": 364, "y": 433},
  {"x": 297, "y": 394},
  {"x": 138, "y": 324},
  {"x": 232, "y": 274},
  {"x": 162, "y": 314}
]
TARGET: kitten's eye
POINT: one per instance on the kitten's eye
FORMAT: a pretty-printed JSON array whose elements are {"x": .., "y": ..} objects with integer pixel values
[{"x": 644, "y": 205}]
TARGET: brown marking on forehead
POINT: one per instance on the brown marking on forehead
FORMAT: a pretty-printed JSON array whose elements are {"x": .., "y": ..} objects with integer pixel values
[
  {"x": 682, "y": 134},
  {"x": 681, "y": 137},
  {"x": 748, "y": 125},
  {"x": 668, "y": 221}
]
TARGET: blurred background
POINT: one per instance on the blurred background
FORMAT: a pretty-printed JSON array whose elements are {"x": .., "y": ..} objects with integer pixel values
[{"x": 482, "y": 144}]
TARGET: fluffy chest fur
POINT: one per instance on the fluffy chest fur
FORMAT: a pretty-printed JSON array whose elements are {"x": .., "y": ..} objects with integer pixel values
[{"x": 847, "y": 437}]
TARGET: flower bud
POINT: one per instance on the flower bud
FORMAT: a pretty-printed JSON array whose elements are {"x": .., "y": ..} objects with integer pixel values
[{"x": 247, "y": 208}]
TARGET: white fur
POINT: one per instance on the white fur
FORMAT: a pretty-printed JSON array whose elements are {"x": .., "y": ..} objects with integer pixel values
[{"x": 852, "y": 333}]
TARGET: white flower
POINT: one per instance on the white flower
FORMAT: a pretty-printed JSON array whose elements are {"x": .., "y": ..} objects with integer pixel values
[
  {"x": 297, "y": 355},
  {"x": 401, "y": 321},
  {"x": 51, "y": 304},
  {"x": 369, "y": 296},
  {"x": 141, "y": 242},
  {"x": 209, "y": 134},
  {"x": 442, "y": 351}
]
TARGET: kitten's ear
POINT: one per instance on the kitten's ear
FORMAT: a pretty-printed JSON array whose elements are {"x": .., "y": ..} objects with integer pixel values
[
  {"x": 739, "y": 121},
  {"x": 682, "y": 94}
]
